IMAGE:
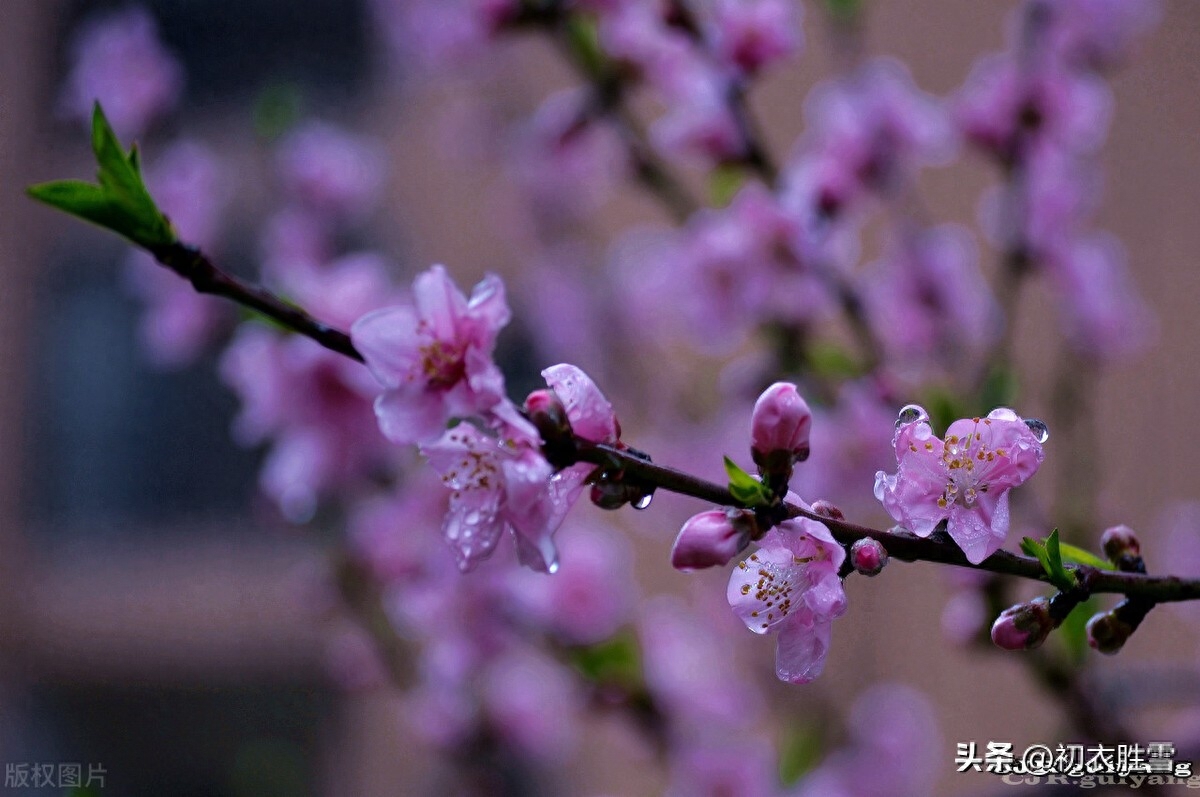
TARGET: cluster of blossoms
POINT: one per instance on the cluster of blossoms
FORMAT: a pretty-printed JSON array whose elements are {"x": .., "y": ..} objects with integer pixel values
[
  {"x": 433, "y": 357},
  {"x": 776, "y": 258},
  {"x": 1040, "y": 110},
  {"x": 792, "y": 584}
]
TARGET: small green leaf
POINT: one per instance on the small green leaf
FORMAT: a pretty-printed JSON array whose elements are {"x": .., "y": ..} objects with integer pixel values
[
  {"x": 277, "y": 109},
  {"x": 583, "y": 34},
  {"x": 844, "y": 9},
  {"x": 725, "y": 182},
  {"x": 1073, "y": 631},
  {"x": 120, "y": 202},
  {"x": 1079, "y": 556},
  {"x": 1032, "y": 547},
  {"x": 999, "y": 388},
  {"x": 745, "y": 488},
  {"x": 944, "y": 407},
  {"x": 614, "y": 661},
  {"x": 832, "y": 361},
  {"x": 800, "y": 749},
  {"x": 1049, "y": 554}
]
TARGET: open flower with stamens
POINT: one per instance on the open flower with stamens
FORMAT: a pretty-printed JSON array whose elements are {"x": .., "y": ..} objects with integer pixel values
[
  {"x": 963, "y": 479},
  {"x": 500, "y": 481},
  {"x": 790, "y": 586},
  {"x": 434, "y": 355},
  {"x": 497, "y": 483}
]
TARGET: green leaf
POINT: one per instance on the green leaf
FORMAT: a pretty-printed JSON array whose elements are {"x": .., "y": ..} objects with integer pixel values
[
  {"x": 583, "y": 35},
  {"x": 1079, "y": 556},
  {"x": 745, "y": 488},
  {"x": 999, "y": 388},
  {"x": 944, "y": 407},
  {"x": 799, "y": 751},
  {"x": 277, "y": 109},
  {"x": 1049, "y": 554},
  {"x": 832, "y": 361},
  {"x": 725, "y": 182},
  {"x": 1073, "y": 631},
  {"x": 120, "y": 201},
  {"x": 844, "y": 9},
  {"x": 614, "y": 661}
]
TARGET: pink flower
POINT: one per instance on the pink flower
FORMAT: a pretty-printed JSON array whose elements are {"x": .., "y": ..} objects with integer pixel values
[
  {"x": 501, "y": 482},
  {"x": 434, "y": 355},
  {"x": 710, "y": 539},
  {"x": 1002, "y": 104},
  {"x": 868, "y": 556},
  {"x": 498, "y": 485},
  {"x": 591, "y": 416},
  {"x": 1104, "y": 315},
  {"x": 533, "y": 703},
  {"x": 331, "y": 170},
  {"x": 877, "y": 126},
  {"x": 564, "y": 161},
  {"x": 589, "y": 598},
  {"x": 963, "y": 479},
  {"x": 781, "y": 422},
  {"x": 752, "y": 34},
  {"x": 928, "y": 299},
  {"x": 790, "y": 586},
  {"x": 1098, "y": 34},
  {"x": 893, "y": 749},
  {"x": 311, "y": 403},
  {"x": 118, "y": 59}
]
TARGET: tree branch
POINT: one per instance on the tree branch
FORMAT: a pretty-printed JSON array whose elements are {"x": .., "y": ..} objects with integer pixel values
[
  {"x": 937, "y": 548},
  {"x": 195, "y": 267}
]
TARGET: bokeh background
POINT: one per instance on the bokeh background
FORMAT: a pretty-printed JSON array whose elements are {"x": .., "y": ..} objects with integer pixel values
[{"x": 153, "y": 615}]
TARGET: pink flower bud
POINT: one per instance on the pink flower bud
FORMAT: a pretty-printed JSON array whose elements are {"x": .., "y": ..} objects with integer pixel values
[
  {"x": 548, "y": 415},
  {"x": 1120, "y": 541},
  {"x": 1024, "y": 626},
  {"x": 826, "y": 509},
  {"x": 711, "y": 538},
  {"x": 868, "y": 556},
  {"x": 1107, "y": 634},
  {"x": 781, "y": 423}
]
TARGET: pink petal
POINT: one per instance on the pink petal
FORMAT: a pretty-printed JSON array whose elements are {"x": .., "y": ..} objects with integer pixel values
[
  {"x": 473, "y": 526},
  {"x": 389, "y": 342},
  {"x": 980, "y": 530},
  {"x": 760, "y": 578},
  {"x": 801, "y": 650},
  {"x": 410, "y": 414},
  {"x": 591, "y": 415},
  {"x": 488, "y": 310},
  {"x": 440, "y": 303}
]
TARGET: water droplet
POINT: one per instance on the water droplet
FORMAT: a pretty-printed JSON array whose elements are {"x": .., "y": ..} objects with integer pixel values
[
  {"x": 911, "y": 413},
  {"x": 1040, "y": 430},
  {"x": 552, "y": 568},
  {"x": 644, "y": 501},
  {"x": 1003, "y": 414}
]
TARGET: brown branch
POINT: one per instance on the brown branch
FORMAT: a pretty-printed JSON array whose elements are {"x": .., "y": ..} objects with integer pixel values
[
  {"x": 195, "y": 267},
  {"x": 937, "y": 548}
]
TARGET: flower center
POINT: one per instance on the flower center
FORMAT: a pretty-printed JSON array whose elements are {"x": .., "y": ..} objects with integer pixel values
[
  {"x": 968, "y": 460},
  {"x": 774, "y": 588},
  {"x": 442, "y": 364}
]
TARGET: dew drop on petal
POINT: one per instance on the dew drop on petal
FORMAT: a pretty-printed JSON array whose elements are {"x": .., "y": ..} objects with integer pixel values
[
  {"x": 552, "y": 568},
  {"x": 644, "y": 501},
  {"x": 911, "y": 413},
  {"x": 1040, "y": 430},
  {"x": 1003, "y": 414}
]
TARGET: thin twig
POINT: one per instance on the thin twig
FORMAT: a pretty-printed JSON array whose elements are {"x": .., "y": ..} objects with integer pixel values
[
  {"x": 936, "y": 548},
  {"x": 195, "y": 267}
]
